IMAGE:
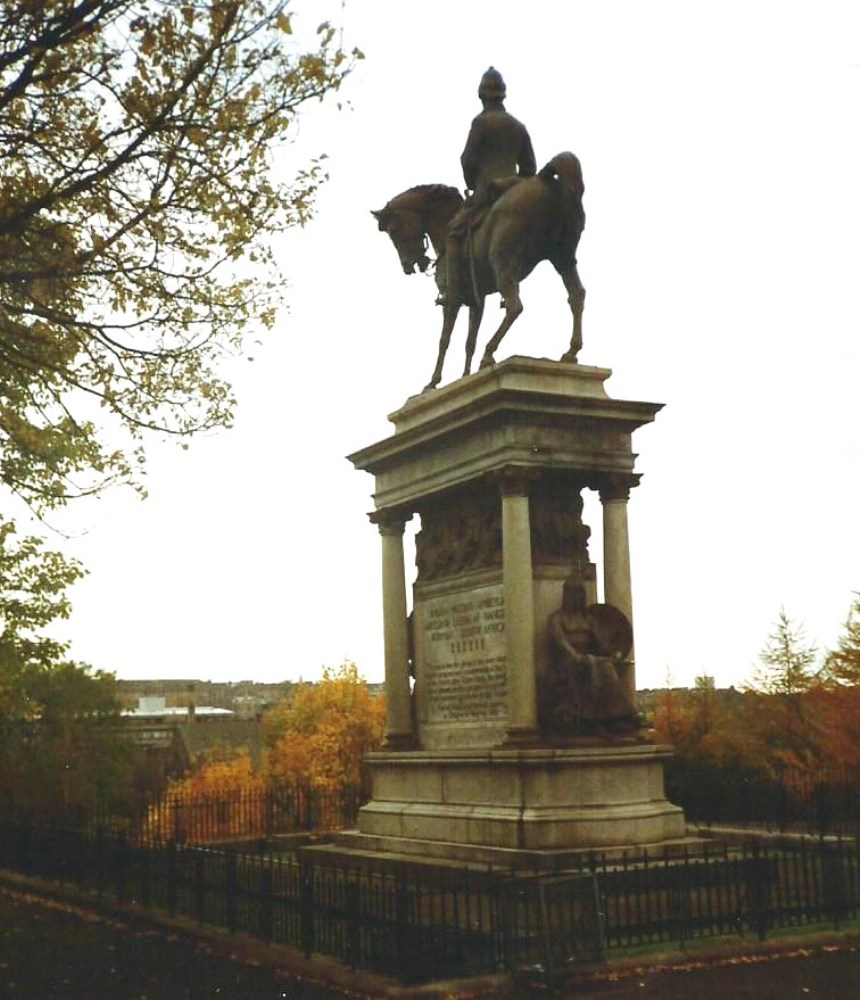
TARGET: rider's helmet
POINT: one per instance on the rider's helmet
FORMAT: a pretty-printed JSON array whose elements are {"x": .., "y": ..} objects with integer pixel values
[{"x": 492, "y": 85}]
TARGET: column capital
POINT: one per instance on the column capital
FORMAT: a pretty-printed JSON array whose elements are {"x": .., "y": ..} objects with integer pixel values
[
  {"x": 617, "y": 486},
  {"x": 390, "y": 522},
  {"x": 515, "y": 480}
]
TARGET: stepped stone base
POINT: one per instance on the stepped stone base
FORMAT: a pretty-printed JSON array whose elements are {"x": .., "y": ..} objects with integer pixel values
[{"x": 519, "y": 808}]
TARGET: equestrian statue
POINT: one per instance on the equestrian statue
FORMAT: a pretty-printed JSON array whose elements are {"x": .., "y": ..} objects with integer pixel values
[{"x": 514, "y": 217}]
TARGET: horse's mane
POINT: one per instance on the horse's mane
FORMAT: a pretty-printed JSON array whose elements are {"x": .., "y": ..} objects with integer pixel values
[
  {"x": 433, "y": 190},
  {"x": 429, "y": 193}
]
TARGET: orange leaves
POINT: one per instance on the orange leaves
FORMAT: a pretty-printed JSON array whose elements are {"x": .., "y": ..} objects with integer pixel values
[
  {"x": 220, "y": 800},
  {"x": 219, "y": 776},
  {"x": 321, "y": 731},
  {"x": 316, "y": 739}
]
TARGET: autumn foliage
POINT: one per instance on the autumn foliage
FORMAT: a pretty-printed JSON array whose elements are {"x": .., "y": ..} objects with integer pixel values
[
  {"x": 144, "y": 154},
  {"x": 320, "y": 733},
  {"x": 219, "y": 800},
  {"x": 316, "y": 738},
  {"x": 799, "y": 712}
]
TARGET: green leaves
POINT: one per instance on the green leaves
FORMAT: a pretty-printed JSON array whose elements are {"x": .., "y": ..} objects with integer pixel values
[
  {"x": 137, "y": 141},
  {"x": 57, "y": 731}
]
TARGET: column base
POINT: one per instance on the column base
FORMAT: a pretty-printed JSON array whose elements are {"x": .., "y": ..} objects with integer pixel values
[
  {"x": 522, "y": 738},
  {"x": 399, "y": 741}
]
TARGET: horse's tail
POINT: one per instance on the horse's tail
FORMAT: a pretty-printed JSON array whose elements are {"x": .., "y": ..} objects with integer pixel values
[{"x": 566, "y": 168}]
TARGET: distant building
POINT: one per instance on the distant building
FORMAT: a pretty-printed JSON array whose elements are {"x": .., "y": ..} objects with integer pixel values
[
  {"x": 154, "y": 706},
  {"x": 174, "y": 737}
]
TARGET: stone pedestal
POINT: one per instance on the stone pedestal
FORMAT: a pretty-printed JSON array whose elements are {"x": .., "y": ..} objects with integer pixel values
[
  {"x": 517, "y": 808},
  {"x": 494, "y": 466}
]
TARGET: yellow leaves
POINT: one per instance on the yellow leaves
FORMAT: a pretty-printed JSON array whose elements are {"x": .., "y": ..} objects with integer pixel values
[
  {"x": 313, "y": 67},
  {"x": 321, "y": 731},
  {"x": 230, "y": 784},
  {"x": 120, "y": 191},
  {"x": 148, "y": 40}
]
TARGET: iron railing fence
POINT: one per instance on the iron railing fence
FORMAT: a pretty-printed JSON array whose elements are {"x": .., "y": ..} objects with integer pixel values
[
  {"x": 819, "y": 801},
  {"x": 420, "y": 922},
  {"x": 823, "y": 802},
  {"x": 186, "y": 817},
  {"x": 244, "y": 814}
]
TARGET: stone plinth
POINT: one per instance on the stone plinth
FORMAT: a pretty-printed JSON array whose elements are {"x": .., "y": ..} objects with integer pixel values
[
  {"x": 485, "y": 806},
  {"x": 494, "y": 467},
  {"x": 524, "y": 412}
]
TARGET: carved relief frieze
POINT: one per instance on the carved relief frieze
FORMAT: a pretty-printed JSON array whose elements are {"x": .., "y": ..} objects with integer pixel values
[
  {"x": 558, "y": 535},
  {"x": 459, "y": 536}
]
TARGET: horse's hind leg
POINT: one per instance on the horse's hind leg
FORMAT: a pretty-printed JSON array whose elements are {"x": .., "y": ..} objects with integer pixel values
[
  {"x": 475, "y": 314},
  {"x": 576, "y": 299},
  {"x": 510, "y": 291}
]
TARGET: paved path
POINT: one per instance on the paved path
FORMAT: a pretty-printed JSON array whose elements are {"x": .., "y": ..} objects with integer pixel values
[{"x": 51, "y": 950}]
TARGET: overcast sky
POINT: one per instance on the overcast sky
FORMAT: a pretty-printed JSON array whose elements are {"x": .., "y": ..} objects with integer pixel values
[{"x": 721, "y": 154}]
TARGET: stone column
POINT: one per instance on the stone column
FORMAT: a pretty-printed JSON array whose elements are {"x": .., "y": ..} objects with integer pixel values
[
  {"x": 617, "y": 589},
  {"x": 399, "y": 734},
  {"x": 519, "y": 610}
]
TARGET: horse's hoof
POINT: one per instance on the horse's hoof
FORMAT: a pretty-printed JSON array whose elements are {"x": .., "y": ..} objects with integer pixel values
[
  {"x": 487, "y": 362},
  {"x": 428, "y": 387},
  {"x": 569, "y": 357}
]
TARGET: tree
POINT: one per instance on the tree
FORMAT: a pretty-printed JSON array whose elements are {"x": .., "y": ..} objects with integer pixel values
[
  {"x": 33, "y": 586},
  {"x": 222, "y": 798},
  {"x": 320, "y": 732},
  {"x": 779, "y": 688},
  {"x": 58, "y": 744},
  {"x": 786, "y": 660},
  {"x": 842, "y": 665},
  {"x": 138, "y": 143},
  {"x": 138, "y": 140}
]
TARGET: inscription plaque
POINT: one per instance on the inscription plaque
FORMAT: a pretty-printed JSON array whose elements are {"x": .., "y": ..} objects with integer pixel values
[{"x": 465, "y": 665}]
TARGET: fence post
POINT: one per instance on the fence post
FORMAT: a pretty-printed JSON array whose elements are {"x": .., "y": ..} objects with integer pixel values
[
  {"x": 822, "y": 809},
  {"x": 351, "y": 896},
  {"x": 171, "y": 877},
  {"x": 267, "y": 899},
  {"x": 231, "y": 886},
  {"x": 120, "y": 859},
  {"x": 309, "y": 811},
  {"x": 757, "y": 885},
  {"x": 199, "y": 886},
  {"x": 306, "y": 906},
  {"x": 100, "y": 861},
  {"x": 545, "y": 937},
  {"x": 833, "y": 882},
  {"x": 268, "y": 814},
  {"x": 599, "y": 949},
  {"x": 401, "y": 935},
  {"x": 145, "y": 853}
]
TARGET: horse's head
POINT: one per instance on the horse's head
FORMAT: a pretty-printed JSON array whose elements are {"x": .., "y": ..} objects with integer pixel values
[
  {"x": 412, "y": 218},
  {"x": 403, "y": 225}
]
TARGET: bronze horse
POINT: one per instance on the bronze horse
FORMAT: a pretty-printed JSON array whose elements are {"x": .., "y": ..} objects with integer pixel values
[{"x": 539, "y": 218}]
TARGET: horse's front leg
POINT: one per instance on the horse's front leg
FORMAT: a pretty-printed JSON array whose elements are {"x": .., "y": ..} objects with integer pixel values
[
  {"x": 576, "y": 300},
  {"x": 475, "y": 315},
  {"x": 450, "y": 318},
  {"x": 513, "y": 307}
]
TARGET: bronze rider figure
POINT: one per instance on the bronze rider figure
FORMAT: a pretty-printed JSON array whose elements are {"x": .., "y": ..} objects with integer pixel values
[{"x": 498, "y": 151}]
